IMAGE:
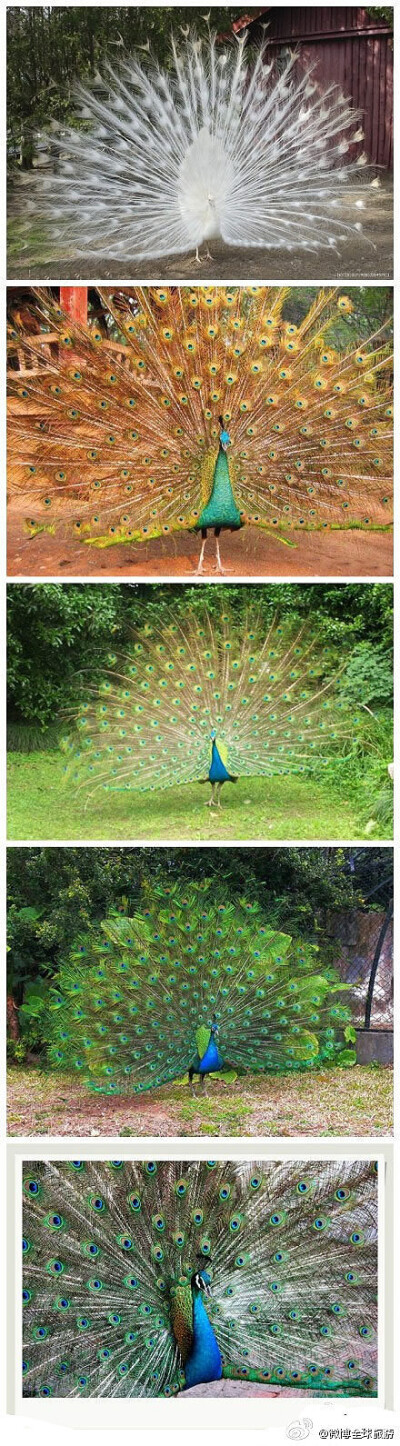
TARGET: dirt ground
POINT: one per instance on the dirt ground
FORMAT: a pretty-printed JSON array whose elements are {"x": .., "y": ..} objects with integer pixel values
[
  {"x": 364, "y": 255},
  {"x": 248, "y": 553},
  {"x": 355, "y": 1101}
]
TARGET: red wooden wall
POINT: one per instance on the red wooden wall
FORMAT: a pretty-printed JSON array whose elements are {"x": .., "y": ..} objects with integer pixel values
[{"x": 347, "y": 46}]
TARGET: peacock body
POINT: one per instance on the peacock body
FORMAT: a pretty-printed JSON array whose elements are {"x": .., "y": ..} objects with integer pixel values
[
  {"x": 210, "y": 147},
  {"x": 208, "y": 700},
  {"x": 144, "y": 1279},
  {"x": 193, "y": 986},
  {"x": 209, "y": 410}
]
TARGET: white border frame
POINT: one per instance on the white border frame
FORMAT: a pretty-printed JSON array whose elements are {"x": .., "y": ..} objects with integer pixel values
[
  {"x": 247, "y": 1412},
  {"x": 273, "y": 1416}
]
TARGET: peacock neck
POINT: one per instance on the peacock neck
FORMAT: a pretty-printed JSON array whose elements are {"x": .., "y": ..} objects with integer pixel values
[
  {"x": 221, "y": 509},
  {"x": 204, "y": 1362}
]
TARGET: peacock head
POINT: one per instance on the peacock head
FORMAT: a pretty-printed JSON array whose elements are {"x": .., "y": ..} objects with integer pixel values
[
  {"x": 201, "y": 1280},
  {"x": 213, "y": 735}
]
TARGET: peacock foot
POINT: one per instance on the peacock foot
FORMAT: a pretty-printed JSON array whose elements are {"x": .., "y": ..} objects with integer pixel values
[{"x": 201, "y": 259}]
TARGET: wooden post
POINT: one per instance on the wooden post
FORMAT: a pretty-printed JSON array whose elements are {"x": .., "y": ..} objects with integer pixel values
[{"x": 74, "y": 300}]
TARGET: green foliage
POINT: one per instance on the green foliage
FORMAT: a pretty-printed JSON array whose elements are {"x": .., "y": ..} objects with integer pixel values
[
  {"x": 50, "y": 48},
  {"x": 369, "y": 676},
  {"x": 372, "y": 309},
  {"x": 382, "y": 12},
  {"x": 53, "y": 631}
]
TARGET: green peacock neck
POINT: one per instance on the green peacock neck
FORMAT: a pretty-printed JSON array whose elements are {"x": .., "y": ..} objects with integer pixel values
[{"x": 221, "y": 509}]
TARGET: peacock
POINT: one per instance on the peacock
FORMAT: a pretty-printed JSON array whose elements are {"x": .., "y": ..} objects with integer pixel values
[
  {"x": 208, "y": 699},
  {"x": 211, "y": 146},
  {"x": 197, "y": 409},
  {"x": 149, "y": 1278},
  {"x": 191, "y": 986}
]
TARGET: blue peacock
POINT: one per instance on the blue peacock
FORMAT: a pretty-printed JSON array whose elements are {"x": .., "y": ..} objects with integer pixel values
[
  {"x": 149, "y": 1278},
  {"x": 210, "y": 699},
  {"x": 194, "y": 410},
  {"x": 193, "y": 987}
]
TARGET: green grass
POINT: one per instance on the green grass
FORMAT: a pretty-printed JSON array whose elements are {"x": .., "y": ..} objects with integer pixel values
[{"x": 42, "y": 806}]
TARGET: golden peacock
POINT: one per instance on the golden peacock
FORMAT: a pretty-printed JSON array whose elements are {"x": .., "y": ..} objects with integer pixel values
[
  {"x": 191, "y": 985},
  {"x": 208, "y": 699},
  {"x": 189, "y": 409},
  {"x": 146, "y": 1279}
]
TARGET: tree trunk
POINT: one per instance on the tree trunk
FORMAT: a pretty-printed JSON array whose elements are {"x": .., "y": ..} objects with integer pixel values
[{"x": 12, "y": 1019}]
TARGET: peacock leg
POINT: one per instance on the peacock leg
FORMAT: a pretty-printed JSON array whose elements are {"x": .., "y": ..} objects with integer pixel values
[
  {"x": 211, "y": 802},
  {"x": 203, "y": 1084},
  {"x": 202, "y": 551},
  {"x": 220, "y": 568},
  {"x": 218, "y": 798}
]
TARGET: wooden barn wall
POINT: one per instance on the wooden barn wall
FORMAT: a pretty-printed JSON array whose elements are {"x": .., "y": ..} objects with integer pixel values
[{"x": 349, "y": 47}]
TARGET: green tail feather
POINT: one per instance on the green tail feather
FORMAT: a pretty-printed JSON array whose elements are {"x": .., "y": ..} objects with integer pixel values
[
  {"x": 133, "y": 1004},
  {"x": 270, "y": 693},
  {"x": 111, "y": 1252}
]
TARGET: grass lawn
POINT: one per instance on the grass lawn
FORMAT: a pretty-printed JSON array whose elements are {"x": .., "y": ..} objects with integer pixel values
[
  {"x": 41, "y": 805},
  {"x": 356, "y": 1101}
]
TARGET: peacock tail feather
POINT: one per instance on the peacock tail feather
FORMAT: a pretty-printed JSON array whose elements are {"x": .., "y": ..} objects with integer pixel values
[
  {"x": 132, "y": 1006},
  {"x": 269, "y": 693},
  {"x": 118, "y": 1257},
  {"x": 118, "y": 439},
  {"x": 211, "y": 146}
]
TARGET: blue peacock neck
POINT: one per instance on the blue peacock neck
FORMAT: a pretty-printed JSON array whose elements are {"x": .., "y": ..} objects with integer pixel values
[{"x": 204, "y": 1362}]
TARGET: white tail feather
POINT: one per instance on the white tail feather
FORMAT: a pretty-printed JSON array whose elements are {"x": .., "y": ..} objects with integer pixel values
[{"x": 210, "y": 148}]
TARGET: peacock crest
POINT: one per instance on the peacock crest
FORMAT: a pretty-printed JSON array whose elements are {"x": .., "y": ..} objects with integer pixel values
[
  {"x": 143, "y": 1279},
  {"x": 193, "y": 986},
  {"x": 194, "y": 409},
  {"x": 212, "y": 146}
]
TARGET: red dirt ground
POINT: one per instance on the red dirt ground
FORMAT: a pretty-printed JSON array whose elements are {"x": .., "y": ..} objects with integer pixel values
[{"x": 249, "y": 553}]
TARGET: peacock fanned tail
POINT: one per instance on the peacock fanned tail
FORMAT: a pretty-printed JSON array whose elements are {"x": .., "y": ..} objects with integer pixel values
[
  {"x": 211, "y": 146},
  {"x": 114, "y": 427},
  {"x": 132, "y": 1006},
  {"x": 270, "y": 692},
  {"x": 111, "y": 1253}
]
